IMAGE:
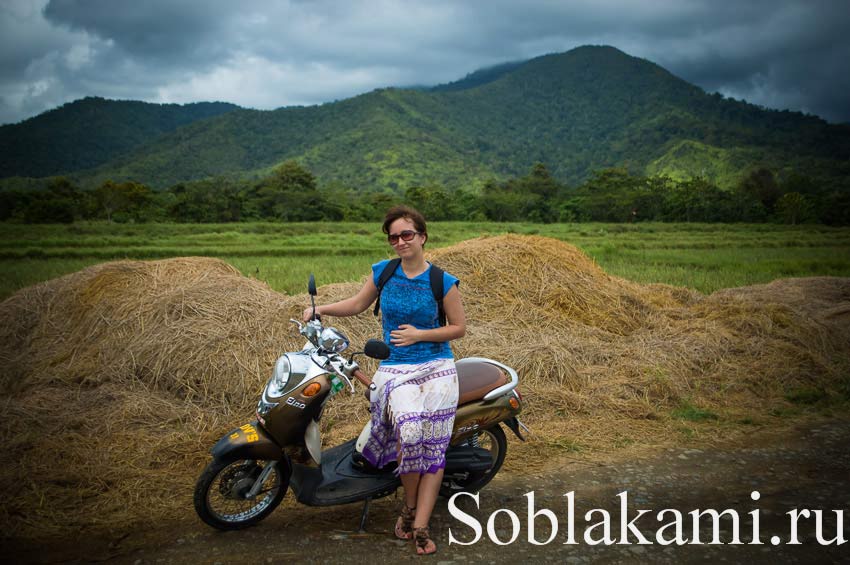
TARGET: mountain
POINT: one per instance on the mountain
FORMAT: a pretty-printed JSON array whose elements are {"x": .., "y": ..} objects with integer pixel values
[
  {"x": 90, "y": 132},
  {"x": 577, "y": 112},
  {"x": 478, "y": 78}
]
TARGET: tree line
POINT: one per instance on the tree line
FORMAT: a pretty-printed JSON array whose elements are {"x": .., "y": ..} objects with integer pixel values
[{"x": 291, "y": 193}]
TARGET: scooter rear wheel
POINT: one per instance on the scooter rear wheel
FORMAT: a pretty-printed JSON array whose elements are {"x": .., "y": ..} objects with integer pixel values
[
  {"x": 220, "y": 493},
  {"x": 492, "y": 439}
]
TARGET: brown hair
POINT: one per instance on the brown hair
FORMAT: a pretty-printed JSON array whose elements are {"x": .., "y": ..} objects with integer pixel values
[{"x": 406, "y": 212}]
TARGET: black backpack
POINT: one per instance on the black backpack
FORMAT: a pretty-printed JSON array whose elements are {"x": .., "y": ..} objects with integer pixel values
[{"x": 436, "y": 286}]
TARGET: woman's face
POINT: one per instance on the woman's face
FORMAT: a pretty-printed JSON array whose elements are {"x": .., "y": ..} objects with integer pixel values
[{"x": 403, "y": 248}]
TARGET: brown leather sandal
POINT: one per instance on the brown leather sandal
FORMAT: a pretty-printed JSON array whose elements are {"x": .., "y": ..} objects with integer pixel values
[
  {"x": 424, "y": 543},
  {"x": 404, "y": 524}
]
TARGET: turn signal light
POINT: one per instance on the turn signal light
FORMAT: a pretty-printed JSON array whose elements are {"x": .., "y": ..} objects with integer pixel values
[
  {"x": 513, "y": 402},
  {"x": 312, "y": 389}
]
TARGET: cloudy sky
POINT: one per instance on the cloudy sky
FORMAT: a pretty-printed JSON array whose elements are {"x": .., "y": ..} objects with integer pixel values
[{"x": 267, "y": 54}]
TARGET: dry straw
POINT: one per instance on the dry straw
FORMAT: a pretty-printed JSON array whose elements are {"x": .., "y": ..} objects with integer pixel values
[{"x": 118, "y": 378}]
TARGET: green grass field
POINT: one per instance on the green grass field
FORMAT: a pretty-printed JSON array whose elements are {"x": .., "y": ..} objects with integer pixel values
[{"x": 705, "y": 257}]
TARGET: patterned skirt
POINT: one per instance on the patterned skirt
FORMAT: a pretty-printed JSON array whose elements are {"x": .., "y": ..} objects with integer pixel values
[{"x": 413, "y": 411}]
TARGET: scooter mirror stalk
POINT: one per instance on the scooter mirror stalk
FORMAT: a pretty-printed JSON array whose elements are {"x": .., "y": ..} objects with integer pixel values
[
  {"x": 311, "y": 288},
  {"x": 374, "y": 348}
]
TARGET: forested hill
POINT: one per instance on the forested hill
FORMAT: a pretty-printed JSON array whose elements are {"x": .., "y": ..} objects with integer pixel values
[
  {"x": 576, "y": 112},
  {"x": 89, "y": 132}
]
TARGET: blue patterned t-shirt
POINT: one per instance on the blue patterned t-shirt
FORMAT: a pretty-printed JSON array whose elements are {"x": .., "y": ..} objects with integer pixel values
[{"x": 411, "y": 301}]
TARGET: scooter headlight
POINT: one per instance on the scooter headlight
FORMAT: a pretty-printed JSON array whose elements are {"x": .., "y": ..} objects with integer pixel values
[{"x": 280, "y": 377}]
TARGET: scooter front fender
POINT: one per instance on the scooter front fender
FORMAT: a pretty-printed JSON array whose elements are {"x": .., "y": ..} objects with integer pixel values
[{"x": 247, "y": 442}]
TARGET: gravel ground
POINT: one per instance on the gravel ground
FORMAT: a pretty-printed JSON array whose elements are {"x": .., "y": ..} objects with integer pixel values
[{"x": 806, "y": 466}]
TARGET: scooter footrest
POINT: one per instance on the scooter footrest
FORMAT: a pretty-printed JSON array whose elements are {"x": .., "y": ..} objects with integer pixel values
[{"x": 362, "y": 464}]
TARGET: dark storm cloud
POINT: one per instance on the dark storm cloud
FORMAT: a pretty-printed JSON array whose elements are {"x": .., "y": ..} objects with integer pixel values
[
  {"x": 783, "y": 53},
  {"x": 169, "y": 32},
  {"x": 789, "y": 55}
]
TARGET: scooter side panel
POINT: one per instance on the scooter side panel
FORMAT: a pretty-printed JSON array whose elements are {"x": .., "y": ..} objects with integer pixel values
[
  {"x": 288, "y": 421},
  {"x": 480, "y": 415},
  {"x": 246, "y": 442}
]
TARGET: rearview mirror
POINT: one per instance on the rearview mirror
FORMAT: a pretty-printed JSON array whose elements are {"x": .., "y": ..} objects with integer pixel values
[
  {"x": 311, "y": 285},
  {"x": 376, "y": 349}
]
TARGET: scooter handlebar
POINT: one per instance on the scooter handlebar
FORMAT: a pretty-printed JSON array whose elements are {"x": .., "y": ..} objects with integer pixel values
[{"x": 361, "y": 376}]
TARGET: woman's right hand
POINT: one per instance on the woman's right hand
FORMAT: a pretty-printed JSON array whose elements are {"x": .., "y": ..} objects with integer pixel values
[{"x": 307, "y": 315}]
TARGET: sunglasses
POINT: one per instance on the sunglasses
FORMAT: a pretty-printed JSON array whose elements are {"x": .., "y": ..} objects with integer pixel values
[{"x": 406, "y": 235}]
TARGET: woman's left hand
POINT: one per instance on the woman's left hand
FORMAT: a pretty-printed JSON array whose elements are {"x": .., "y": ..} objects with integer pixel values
[{"x": 405, "y": 335}]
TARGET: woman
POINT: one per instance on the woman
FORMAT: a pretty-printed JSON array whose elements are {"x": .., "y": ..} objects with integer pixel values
[{"x": 414, "y": 404}]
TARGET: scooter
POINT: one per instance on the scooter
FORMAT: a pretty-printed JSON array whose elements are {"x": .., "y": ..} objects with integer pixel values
[{"x": 254, "y": 465}]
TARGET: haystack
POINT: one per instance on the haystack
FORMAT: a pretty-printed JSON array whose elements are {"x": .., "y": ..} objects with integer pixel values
[{"x": 118, "y": 378}]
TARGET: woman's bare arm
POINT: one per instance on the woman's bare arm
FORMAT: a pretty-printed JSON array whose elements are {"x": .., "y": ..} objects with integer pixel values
[{"x": 348, "y": 307}]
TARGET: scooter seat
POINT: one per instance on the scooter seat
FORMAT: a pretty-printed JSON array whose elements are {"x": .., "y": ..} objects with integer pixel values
[{"x": 477, "y": 378}]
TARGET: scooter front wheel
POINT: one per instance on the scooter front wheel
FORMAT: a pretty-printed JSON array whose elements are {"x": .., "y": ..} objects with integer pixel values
[
  {"x": 223, "y": 492},
  {"x": 493, "y": 440}
]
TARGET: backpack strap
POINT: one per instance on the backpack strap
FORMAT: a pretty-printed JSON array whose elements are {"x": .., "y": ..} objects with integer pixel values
[
  {"x": 385, "y": 275},
  {"x": 437, "y": 288}
]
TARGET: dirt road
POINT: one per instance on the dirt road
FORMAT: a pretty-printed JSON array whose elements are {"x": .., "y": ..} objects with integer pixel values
[{"x": 806, "y": 467}]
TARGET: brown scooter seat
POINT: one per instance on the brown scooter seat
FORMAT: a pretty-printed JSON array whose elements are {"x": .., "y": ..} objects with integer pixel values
[{"x": 477, "y": 378}]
